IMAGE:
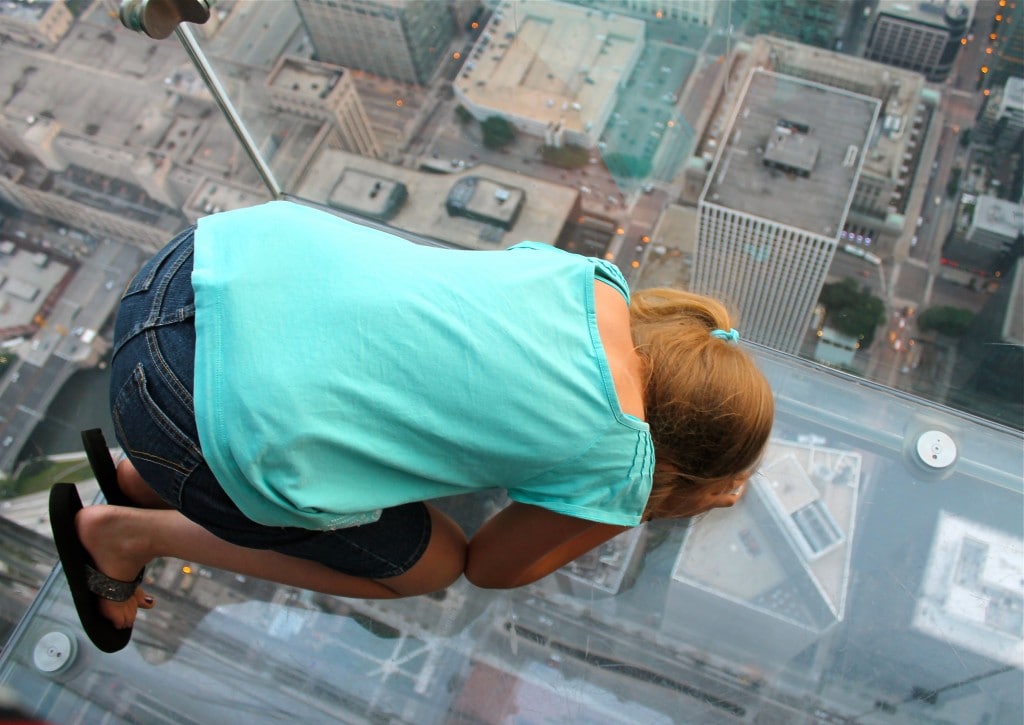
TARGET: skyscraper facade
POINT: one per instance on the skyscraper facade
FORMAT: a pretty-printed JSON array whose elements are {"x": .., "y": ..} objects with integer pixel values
[
  {"x": 1007, "y": 37},
  {"x": 400, "y": 39},
  {"x": 817, "y": 22},
  {"x": 923, "y": 37},
  {"x": 762, "y": 245}
]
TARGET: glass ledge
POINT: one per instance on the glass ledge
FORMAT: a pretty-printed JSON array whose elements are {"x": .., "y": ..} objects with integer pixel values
[{"x": 873, "y": 573}]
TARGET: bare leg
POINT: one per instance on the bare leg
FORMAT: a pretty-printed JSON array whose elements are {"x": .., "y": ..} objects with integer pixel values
[
  {"x": 135, "y": 488},
  {"x": 123, "y": 540}
]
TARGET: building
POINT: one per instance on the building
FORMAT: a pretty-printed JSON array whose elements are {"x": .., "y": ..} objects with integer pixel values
[
  {"x": 996, "y": 223},
  {"x": 835, "y": 349},
  {"x": 919, "y": 36},
  {"x": 367, "y": 195},
  {"x": 778, "y": 564},
  {"x": 480, "y": 208},
  {"x": 971, "y": 595},
  {"x": 1001, "y": 119},
  {"x": 606, "y": 568},
  {"x": 483, "y": 200},
  {"x": 31, "y": 188},
  {"x": 990, "y": 356},
  {"x": 1007, "y": 38},
  {"x": 323, "y": 92},
  {"x": 813, "y": 22},
  {"x": 552, "y": 70},
  {"x": 400, "y": 39},
  {"x": 760, "y": 246},
  {"x": 120, "y": 155},
  {"x": 38, "y": 24},
  {"x": 984, "y": 237},
  {"x": 691, "y": 11},
  {"x": 892, "y": 182}
]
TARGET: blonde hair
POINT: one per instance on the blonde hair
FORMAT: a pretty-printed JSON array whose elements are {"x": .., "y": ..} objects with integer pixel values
[{"x": 709, "y": 407}]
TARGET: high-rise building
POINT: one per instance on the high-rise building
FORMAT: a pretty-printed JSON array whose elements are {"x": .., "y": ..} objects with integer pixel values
[
  {"x": 400, "y": 39},
  {"x": 778, "y": 564},
  {"x": 990, "y": 356},
  {"x": 1009, "y": 118},
  {"x": 814, "y": 22},
  {"x": 923, "y": 37},
  {"x": 1006, "y": 36},
  {"x": 983, "y": 244},
  {"x": 693, "y": 11},
  {"x": 893, "y": 178},
  {"x": 323, "y": 92},
  {"x": 761, "y": 245},
  {"x": 39, "y": 24}
]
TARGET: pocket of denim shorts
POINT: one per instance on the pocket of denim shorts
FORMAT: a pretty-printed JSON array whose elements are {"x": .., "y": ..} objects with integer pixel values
[{"x": 163, "y": 455}]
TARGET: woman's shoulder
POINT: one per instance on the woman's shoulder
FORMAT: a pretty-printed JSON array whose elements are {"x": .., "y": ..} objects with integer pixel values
[{"x": 626, "y": 365}]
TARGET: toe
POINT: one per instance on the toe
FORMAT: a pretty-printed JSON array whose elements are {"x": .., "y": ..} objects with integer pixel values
[
  {"x": 144, "y": 600},
  {"x": 120, "y": 614}
]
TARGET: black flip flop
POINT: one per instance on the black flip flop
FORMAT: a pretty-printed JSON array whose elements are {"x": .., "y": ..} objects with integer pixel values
[
  {"x": 86, "y": 583},
  {"x": 103, "y": 468}
]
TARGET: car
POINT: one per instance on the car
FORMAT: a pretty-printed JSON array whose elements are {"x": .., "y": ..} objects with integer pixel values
[{"x": 8, "y": 441}]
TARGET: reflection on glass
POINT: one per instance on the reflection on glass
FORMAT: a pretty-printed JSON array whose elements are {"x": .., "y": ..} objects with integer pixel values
[{"x": 872, "y": 572}]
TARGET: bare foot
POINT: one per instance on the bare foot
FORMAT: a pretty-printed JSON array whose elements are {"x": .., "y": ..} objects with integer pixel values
[{"x": 114, "y": 539}]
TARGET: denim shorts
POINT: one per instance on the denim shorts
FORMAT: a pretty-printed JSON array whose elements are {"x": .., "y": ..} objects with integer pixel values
[{"x": 154, "y": 420}]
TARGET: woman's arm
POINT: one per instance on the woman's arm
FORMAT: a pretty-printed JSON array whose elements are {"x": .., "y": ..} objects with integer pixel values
[{"x": 523, "y": 543}]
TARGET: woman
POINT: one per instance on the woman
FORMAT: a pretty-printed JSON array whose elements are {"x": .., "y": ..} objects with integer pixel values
[{"x": 290, "y": 389}]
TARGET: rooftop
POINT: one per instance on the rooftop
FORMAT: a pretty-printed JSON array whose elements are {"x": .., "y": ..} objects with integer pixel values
[
  {"x": 304, "y": 78},
  {"x": 998, "y": 216},
  {"x": 551, "y": 62},
  {"x": 929, "y": 12},
  {"x": 547, "y": 205},
  {"x": 377, "y": 197},
  {"x": 1013, "y": 95},
  {"x": 25, "y": 10},
  {"x": 837, "y": 123}
]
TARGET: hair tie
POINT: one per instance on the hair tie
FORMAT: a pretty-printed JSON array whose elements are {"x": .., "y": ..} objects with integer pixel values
[{"x": 732, "y": 336}]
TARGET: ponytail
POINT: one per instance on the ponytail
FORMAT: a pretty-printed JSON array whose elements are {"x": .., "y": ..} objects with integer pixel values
[{"x": 709, "y": 408}]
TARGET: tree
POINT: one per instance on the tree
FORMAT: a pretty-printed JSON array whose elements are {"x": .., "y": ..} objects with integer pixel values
[
  {"x": 498, "y": 132},
  {"x": 946, "y": 320},
  {"x": 851, "y": 311},
  {"x": 463, "y": 115},
  {"x": 7, "y": 358}
]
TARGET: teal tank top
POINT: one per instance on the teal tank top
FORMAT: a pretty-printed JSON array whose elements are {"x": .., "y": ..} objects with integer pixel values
[{"x": 341, "y": 370}]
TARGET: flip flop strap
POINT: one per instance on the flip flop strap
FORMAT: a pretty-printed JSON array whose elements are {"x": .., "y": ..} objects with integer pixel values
[{"x": 113, "y": 589}]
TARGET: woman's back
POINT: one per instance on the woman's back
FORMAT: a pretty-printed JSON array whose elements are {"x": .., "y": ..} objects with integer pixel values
[{"x": 340, "y": 369}]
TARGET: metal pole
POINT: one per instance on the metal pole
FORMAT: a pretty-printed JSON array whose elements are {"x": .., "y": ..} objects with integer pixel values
[{"x": 198, "y": 58}]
